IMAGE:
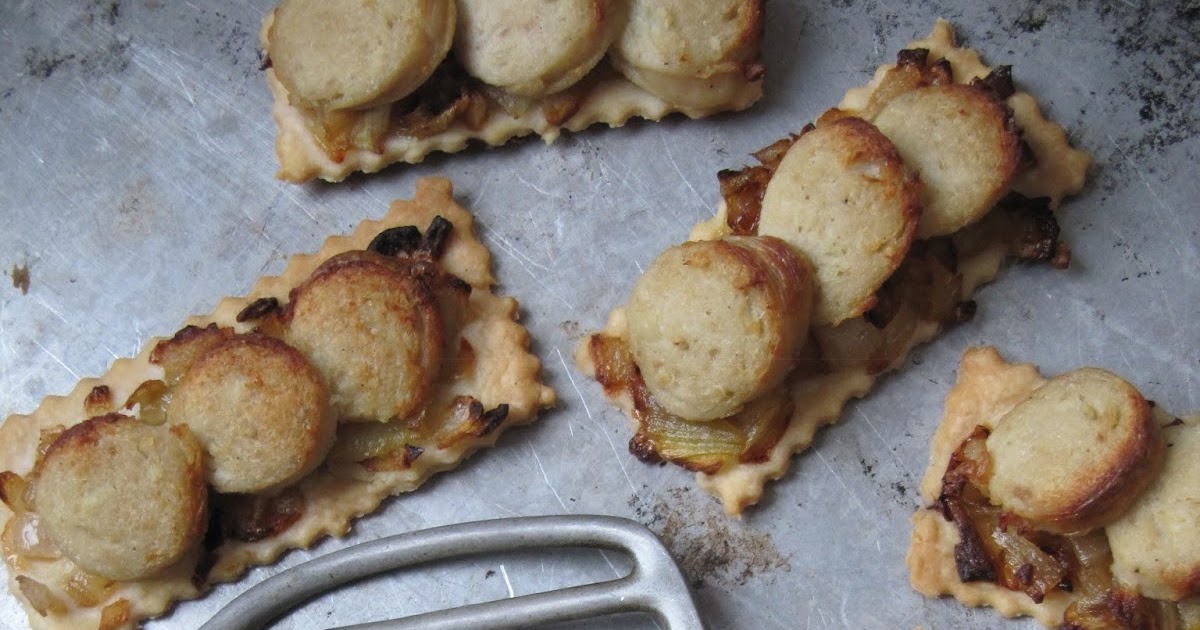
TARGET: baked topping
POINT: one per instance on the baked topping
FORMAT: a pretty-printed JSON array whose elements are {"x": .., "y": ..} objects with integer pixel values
[
  {"x": 372, "y": 330},
  {"x": 844, "y": 194},
  {"x": 843, "y": 197},
  {"x": 692, "y": 54},
  {"x": 1068, "y": 433},
  {"x": 120, "y": 498},
  {"x": 393, "y": 46},
  {"x": 1075, "y": 454},
  {"x": 260, "y": 410},
  {"x": 359, "y": 87},
  {"x": 960, "y": 140},
  {"x": 714, "y": 324},
  {"x": 111, "y": 521},
  {"x": 532, "y": 48},
  {"x": 1156, "y": 549}
]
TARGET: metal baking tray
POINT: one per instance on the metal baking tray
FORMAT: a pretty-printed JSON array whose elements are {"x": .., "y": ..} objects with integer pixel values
[{"x": 136, "y": 150}]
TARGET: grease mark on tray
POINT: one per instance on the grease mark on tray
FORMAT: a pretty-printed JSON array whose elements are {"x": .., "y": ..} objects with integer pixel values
[
  {"x": 712, "y": 549},
  {"x": 20, "y": 278}
]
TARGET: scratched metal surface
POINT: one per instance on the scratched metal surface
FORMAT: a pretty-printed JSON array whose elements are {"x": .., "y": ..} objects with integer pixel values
[{"x": 137, "y": 162}]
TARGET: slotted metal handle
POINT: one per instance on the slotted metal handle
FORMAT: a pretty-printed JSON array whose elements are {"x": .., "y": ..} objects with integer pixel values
[{"x": 656, "y": 586}]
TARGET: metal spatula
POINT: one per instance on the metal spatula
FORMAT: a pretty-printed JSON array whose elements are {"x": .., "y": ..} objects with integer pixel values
[{"x": 656, "y": 585}]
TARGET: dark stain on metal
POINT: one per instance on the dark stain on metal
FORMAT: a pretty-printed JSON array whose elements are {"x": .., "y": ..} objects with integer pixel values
[
  {"x": 711, "y": 548},
  {"x": 20, "y": 278}
]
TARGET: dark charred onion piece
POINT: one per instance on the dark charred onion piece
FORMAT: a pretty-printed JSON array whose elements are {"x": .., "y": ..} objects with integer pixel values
[
  {"x": 115, "y": 615},
  {"x": 999, "y": 81},
  {"x": 771, "y": 155},
  {"x": 404, "y": 239},
  {"x": 743, "y": 193},
  {"x": 743, "y": 190},
  {"x": 468, "y": 419},
  {"x": 968, "y": 465},
  {"x": 149, "y": 397},
  {"x": 970, "y": 557},
  {"x": 912, "y": 57},
  {"x": 1034, "y": 230},
  {"x": 13, "y": 489},
  {"x": 939, "y": 73},
  {"x": 98, "y": 402},
  {"x": 258, "y": 309},
  {"x": 399, "y": 460},
  {"x": 250, "y": 518},
  {"x": 436, "y": 234},
  {"x": 448, "y": 96}
]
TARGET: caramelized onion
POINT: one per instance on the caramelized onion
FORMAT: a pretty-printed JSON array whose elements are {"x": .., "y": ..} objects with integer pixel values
[
  {"x": 13, "y": 489},
  {"x": 21, "y": 537},
  {"x": 251, "y": 518},
  {"x": 150, "y": 400},
  {"x": 89, "y": 590},
  {"x": 852, "y": 343},
  {"x": 115, "y": 615},
  {"x": 465, "y": 419},
  {"x": 40, "y": 597},
  {"x": 699, "y": 446},
  {"x": 98, "y": 402},
  {"x": 358, "y": 441},
  {"x": 763, "y": 422},
  {"x": 176, "y": 354}
]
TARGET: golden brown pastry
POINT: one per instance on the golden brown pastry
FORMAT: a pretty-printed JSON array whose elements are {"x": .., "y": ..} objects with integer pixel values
[
  {"x": 845, "y": 195},
  {"x": 112, "y": 522},
  {"x": 1086, "y": 571}
]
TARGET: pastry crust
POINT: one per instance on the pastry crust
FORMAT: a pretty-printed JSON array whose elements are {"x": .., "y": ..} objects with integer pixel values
[
  {"x": 602, "y": 96},
  {"x": 500, "y": 372},
  {"x": 987, "y": 392},
  {"x": 819, "y": 397}
]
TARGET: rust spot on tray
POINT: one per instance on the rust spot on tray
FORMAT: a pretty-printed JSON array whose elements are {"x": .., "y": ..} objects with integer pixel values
[
  {"x": 20, "y": 278},
  {"x": 711, "y": 548}
]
